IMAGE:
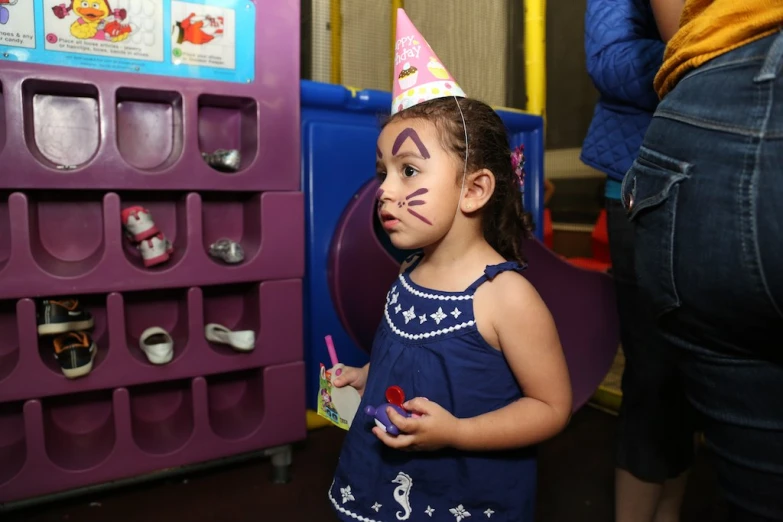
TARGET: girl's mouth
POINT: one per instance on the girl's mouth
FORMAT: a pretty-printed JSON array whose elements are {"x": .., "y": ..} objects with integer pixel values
[{"x": 388, "y": 220}]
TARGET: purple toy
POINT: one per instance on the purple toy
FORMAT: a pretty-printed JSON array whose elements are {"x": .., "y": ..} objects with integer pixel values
[{"x": 395, "y": 398}]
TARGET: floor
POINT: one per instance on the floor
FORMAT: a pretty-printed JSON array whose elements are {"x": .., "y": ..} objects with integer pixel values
[{"x": 575, "y": 484}]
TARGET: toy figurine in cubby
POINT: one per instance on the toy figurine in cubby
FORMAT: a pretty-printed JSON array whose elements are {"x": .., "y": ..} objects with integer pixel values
[
  {"x": 223, "y": 160},
  {"x": 64, "y": 323},
  {"x": 227, "y": 250},
  {"x": 141, "y": 229}
]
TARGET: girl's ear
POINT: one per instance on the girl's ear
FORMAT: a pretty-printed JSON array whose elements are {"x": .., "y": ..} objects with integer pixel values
[{"x": 479, "y": 187}]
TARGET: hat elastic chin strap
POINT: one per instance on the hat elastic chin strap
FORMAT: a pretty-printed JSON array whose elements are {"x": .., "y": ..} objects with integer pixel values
[{"x": 464, "y": 163}]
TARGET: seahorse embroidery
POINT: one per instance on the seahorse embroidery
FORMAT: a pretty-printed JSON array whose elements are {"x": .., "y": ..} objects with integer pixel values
[{"x": 402, "y": 495}]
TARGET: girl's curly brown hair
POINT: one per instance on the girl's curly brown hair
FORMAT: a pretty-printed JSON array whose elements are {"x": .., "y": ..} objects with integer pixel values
[{"x": 504, "y": 221}]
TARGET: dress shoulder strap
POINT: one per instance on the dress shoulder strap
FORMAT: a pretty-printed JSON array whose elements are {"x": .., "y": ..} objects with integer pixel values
[{"x": 493, "y": 270}]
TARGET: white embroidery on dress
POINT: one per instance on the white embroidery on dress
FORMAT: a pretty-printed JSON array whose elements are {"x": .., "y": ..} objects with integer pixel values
[
  {"x": 345, "y": 511},
  {"x": 397, "y": 309},
  {"x": 394, "y": 298},
  {"x": 439, "y": 315},
  {"x": 489, "y": 513},
  {"x": 456, "y": 313},
  {"x": 376, "y": 507},
  {"x": 429, "y": 511},
  {"x": 409, "y": 314},
  {"x": 424, "y": 335},
  {"x": 409, "y": 288},
  {"x": 346, "y": 493},
  {"x": 402, "y": 494},
  {"x": 422, "y": 318},
  {"x": 459, "y": 512}
]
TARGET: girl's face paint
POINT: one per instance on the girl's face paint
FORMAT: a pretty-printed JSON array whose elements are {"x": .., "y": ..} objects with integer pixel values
[
  {"x": 418, "y": 183},
  {"x": 415, "y": 193},
  {"x": 415, "y": 202},
  {"x": 410, "y": 133},
  {"x": 416, "y": 214}
]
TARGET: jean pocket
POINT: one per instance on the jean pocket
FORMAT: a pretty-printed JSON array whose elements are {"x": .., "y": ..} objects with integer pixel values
[{"x": 649, "y": 194}]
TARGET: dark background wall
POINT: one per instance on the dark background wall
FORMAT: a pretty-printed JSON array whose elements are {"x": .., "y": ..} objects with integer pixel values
[{"x": 570, "y": 93}]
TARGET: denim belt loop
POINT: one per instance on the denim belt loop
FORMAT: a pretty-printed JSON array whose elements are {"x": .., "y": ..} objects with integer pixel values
[{"x": 772, "y": 62}]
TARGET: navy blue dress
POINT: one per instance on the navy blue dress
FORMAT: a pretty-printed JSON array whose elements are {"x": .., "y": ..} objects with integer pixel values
[{"x": 428, "y": 344}]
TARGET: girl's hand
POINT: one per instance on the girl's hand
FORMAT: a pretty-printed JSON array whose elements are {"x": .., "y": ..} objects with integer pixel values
[
  {"x": 351, "y": 376},
  {"x": 435, "y": 428}
]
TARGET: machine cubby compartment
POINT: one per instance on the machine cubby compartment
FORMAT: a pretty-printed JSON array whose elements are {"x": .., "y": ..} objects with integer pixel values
[
  {"x": 149, "y": 128},
  {"x": 233, "y": 216},
  {"x": 79, "y": 430},
  {"x": 13, "y": 441},
  {"x": 161, "y": 416},
  {"x": 62, "y": 122},
  {"x": 228, "y": 122},
  {"x": 253, "y": 408},
  {"x": 67, "y": 243},
  {"x": 66, "y": 236},
  {"x": 168, "y": 309},
  {"x": 84, "y": 439},
  {"x": 170, "y": 213},
  {"x": 271, "y": 309},
  {"x": 36, "y": 372},
  {"x": 9, "y": 341},
  {"x": 97, "y": 307},
  {"x": 235, "y": 403}
]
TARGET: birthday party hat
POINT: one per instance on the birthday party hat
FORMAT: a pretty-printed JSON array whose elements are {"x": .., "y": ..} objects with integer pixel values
[{"x": 419, "y": 75}]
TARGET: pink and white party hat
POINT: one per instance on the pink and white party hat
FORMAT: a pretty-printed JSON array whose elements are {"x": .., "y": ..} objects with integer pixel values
[{"x": 419, "y": 75}]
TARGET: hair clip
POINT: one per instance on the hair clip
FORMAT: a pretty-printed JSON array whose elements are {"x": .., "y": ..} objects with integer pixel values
[{"x": 518, "y": 163}]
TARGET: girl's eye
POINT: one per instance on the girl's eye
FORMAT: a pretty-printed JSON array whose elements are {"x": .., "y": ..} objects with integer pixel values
[
  {"x": 409, "y": 171},
  {"x": 380, "y": 175}
]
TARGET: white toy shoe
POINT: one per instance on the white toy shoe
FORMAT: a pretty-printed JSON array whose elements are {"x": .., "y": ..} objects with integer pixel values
[
  {"x": 138, "y": 223},
  {"x": 155, "y": 250},
  {"x": 243, "y": 340},
  {"x": 157, "y": 345}
]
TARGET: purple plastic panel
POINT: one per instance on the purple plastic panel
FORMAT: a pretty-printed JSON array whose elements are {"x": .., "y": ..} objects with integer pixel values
[
  {"x": 272, "y": 309},
  {"x": 58, "y": 246},
  {"x": 140, "y": 132},
  {"x": 66, "y": 442},
  {"x": 584, "y": 308},
  {"x": 582, "y": 302},
  {"x": 76, "y": 148},
  {"x": 2, "y": 119},
  {"x": 358, "y": 261},
  {"x": 149, "y": 128}
]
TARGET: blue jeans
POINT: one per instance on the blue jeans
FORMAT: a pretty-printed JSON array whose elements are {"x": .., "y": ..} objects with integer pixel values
[{"x": 706, "y": 199}]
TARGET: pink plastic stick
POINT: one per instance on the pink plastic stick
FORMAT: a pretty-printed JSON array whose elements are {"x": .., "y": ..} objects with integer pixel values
[{"x": 330, "y": 348}]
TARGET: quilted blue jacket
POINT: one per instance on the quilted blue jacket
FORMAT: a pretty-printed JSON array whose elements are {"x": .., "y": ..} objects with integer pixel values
[{"x": 624, "y": 51}]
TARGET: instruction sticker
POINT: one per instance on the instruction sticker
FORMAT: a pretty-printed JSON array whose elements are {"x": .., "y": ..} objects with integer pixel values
[
  {"x": 195, "y": 39},
  {"x": 17, "y": 23}
]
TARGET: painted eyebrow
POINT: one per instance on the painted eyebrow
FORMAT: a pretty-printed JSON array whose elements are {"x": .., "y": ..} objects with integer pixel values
[
  {"x": 378, "y": 152},
  {"x": 410, "y": 133}
]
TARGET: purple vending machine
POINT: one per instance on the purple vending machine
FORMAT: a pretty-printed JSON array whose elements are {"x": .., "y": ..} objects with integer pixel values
[{"x": 151, "y": 238}]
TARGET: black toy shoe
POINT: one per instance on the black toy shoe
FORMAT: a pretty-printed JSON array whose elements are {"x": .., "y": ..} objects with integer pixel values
[
  {"x": 75, "y": 352},
  {"x": 60, "y": 316}
]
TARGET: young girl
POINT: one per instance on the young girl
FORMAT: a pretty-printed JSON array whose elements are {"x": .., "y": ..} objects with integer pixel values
[{"x": 464, "y": 335}]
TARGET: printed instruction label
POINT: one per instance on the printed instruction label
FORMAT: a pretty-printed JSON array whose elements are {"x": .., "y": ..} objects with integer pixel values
[
  {"x": 194, "y": 39},
  {"x": 17, "y": 23}
]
